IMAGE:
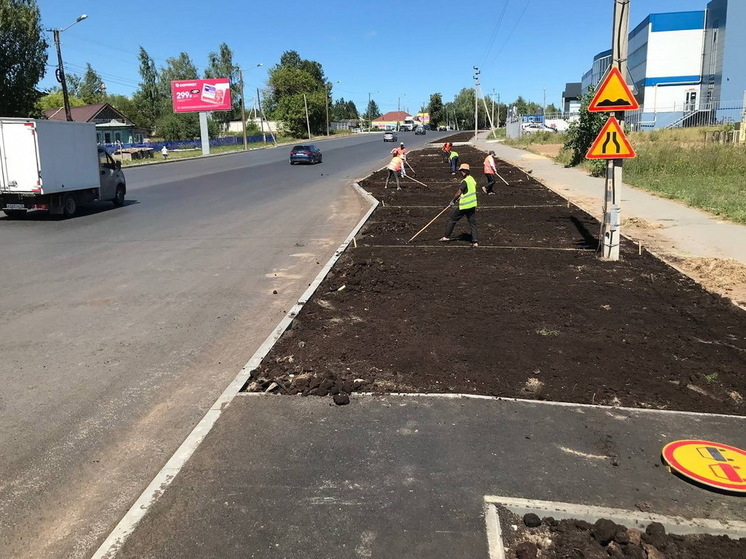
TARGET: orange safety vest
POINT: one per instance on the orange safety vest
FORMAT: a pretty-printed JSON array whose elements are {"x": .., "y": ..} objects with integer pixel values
[
  {"x": 399, "y": 151},
  {"x": 395, "y": 164},
  {"x": 447, "y": 147},
  {"x": 489, "y": 165}
]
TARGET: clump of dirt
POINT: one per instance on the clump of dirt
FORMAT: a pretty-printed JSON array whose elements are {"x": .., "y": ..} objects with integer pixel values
[
  {"x": 534, "y": 538},
  {"x": 533, "y": 301}
]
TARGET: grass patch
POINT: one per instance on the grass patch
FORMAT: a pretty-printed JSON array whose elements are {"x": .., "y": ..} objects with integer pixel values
[
  {"x": 711, "y": 177},
  {"x": 537, "y": 138},
  {"x": 545, "y": 331}
]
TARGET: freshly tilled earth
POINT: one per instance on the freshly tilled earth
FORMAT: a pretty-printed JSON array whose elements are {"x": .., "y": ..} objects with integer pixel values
[{"x": 531, "y": 313}]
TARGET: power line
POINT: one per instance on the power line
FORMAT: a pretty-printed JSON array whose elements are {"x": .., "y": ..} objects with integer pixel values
[
  {"x": 507, "y": 39},
  {"x": 494, "y": 32}
]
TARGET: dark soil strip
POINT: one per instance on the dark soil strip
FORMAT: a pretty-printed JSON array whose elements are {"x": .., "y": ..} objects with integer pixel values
[{"x": 535, "y": 322}]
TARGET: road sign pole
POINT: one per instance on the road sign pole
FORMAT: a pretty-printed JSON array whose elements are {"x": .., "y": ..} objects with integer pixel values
[{"x": 612, "y": 199}]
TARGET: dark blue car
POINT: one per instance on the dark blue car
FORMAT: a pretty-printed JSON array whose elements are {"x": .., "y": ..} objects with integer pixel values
[{"x": 305, "y": 154}]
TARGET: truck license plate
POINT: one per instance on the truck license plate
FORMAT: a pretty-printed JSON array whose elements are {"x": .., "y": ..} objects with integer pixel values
[{"x": 15, "y": 207}]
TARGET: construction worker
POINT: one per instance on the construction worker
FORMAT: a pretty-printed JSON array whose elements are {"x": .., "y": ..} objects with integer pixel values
[
  {"x": 401, "y": 151},
  {"x": 395, "y": 166},
  {"x": 466, "y": 196},
  {"x": 453, "y": 160},
  {"x": 490, "y": 171},
  {"x": 446, "y": 149}
]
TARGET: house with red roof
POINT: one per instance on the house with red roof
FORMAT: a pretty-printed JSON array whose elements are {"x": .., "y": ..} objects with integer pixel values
[{"x": 112, "y": 127}]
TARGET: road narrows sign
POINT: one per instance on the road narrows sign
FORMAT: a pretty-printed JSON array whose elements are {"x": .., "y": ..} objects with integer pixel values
[
  {"x": 611, "y": 143},
  {"x": 613, "y": 94}
]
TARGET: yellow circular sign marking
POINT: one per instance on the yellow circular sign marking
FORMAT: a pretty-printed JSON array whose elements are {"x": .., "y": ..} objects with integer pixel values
[{"x": 713, "y": 464}]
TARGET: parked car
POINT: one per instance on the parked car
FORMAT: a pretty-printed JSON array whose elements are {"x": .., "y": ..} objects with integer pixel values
[
  {"x": 534, "y": 127},
  {"x": 390, "y": 137},
  {"x": 420, "y": 131},
  {"x": 305, "y": 154}
]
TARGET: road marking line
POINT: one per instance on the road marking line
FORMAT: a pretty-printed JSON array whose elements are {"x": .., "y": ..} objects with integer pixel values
[{"x": 126, "y": 526}]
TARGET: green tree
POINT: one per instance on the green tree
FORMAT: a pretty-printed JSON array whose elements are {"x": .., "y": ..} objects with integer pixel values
[
  {"x": 436, "y": 110},
  {"x": 372, "y": 111},
  {"x": 584, "y": 131},
  {"x": 184, "y": 126},
  {"x": 463, "y": 108},
  {"x": 128, "y": 107},
  {"x": 54, "y": 100},
  {"x": 23, "y": 56},
  {"x": 343, "y": 110},
  {"x": 551, "y": 109},
  {"x": 148, "y": 98},
  {"x": 178, "y": 68},
  {"x": 91, "y": 88},
  {"x": 220, "y": 65},
  {"x": 295, "y": 84},
  {"x": 521, "y": 106}
]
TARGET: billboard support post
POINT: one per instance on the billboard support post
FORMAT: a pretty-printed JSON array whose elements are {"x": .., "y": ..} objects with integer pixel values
[{"x": 204, "y": 135}]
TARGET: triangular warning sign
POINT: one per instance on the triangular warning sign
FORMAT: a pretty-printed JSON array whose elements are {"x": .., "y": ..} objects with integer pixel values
[
  {"x": 611, "y": 143},
  {"x": 613, "y": 94}
]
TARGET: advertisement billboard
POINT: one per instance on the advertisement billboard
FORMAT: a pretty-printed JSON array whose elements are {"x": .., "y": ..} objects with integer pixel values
[{"x": 201, "y": 95}]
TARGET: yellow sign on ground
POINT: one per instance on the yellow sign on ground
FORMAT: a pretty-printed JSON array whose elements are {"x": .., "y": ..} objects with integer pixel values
[
  {"x": 611, "y": 143},
  {"x": 613, "y": 94},
  {"x": 713, "y": 464}
]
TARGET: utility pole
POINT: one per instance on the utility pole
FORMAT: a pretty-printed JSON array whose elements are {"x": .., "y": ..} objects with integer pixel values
[
  {"x": 611, "y": 230},
  {"x": 476, "y": 100},
  {"x": 308, "y": 122},
  {"x": 61, "y": 67},
  {"x": 243, "y": 112},
  {"x": 326, "y": 92},
  {"x": 369, "y": 115}
]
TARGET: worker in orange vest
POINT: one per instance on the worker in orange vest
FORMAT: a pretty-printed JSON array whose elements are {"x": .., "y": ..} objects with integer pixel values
[
  {"x": 395, "y": 166},
  {"x": 401, "y": 151},
  {"x": 490, "y": 171},
  {"x": 446, "y": 149}
]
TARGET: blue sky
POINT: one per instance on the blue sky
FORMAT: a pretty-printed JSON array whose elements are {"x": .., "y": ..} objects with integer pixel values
[{"x": 400, "y": 52}]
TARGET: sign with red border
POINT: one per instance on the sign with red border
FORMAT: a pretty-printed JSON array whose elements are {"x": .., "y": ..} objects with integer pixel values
[
  {"x": 201, "y": 95},
  {"x": 611, "y": 143},
  {"x": 712, "y": 464},
  {"x": 614, "y": 94}
]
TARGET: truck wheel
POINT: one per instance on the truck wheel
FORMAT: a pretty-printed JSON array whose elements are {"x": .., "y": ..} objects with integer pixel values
[
  {"x": 118, "y": 200},
  {"x": 14, "y": 214},
  {"x": 69, "y": 205}
]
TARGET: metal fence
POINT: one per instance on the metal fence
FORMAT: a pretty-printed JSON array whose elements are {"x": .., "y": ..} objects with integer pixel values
[{"x": 191, "y": 144}]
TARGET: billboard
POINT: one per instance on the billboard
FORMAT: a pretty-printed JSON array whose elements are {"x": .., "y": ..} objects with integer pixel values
[{"x": 201, "y": 95}]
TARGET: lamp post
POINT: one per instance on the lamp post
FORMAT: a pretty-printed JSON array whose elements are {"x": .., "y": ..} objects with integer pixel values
[
  {"x": 61, "y": 68},
  {"x": 243, "y": 108}
]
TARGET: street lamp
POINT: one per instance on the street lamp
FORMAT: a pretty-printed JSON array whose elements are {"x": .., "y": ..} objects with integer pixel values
[
  {"x": 60, "y": 67},
  {"x": 243, "y": 108}
]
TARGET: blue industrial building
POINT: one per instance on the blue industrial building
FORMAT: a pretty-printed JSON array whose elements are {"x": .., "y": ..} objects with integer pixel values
[{"x": 687, "y": 68}]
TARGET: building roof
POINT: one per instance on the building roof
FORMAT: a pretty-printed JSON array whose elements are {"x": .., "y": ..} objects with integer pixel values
[
  {"x": 572, "y": 91},
  {"x": 393, "y": 116},
  {"x": 97, "y": 112}
]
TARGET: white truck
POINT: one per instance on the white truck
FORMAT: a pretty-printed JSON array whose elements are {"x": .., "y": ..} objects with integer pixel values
[{"x": 55, "y": 166}]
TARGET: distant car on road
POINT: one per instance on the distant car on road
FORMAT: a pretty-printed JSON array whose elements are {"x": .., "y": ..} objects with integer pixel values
[
  {"x": 305, "y": 154},
  {"x": 390, "y": 137},
  {"x": 420, "y": 131},
  {"x": 534, "y": 127}
]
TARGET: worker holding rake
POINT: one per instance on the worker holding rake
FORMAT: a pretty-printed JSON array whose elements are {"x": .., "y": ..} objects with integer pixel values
[
  {"x": 395, "y": 166},
  {"x": 466, "y": 196},
  {"x": 490, "y": 171}
]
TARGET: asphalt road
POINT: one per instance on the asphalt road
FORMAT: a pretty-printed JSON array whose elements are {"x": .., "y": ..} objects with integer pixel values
[{"x": 120, "y": 327}]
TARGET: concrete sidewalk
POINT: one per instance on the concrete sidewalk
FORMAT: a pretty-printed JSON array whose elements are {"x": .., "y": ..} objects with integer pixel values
[
  {"x": 406, "y": 476},
  {"x": 686, "y": 231}
]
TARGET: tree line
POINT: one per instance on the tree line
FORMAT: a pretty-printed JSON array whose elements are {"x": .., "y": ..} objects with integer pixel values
[{"x": 298, "y": 94}]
